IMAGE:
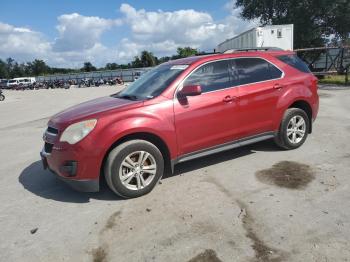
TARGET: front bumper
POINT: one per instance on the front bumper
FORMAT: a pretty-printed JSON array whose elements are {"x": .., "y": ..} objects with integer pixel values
[{"x": 83, "y": 185}]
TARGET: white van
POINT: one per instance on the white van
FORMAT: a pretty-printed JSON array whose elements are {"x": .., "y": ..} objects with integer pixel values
[
  {"x": 25, "y": 80},
  {"x": 12, "y": 83}
]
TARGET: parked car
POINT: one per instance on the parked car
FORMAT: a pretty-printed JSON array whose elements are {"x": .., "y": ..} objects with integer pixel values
[
  {"x": 24, "y": 83},
  {"x": 12, "y": 84},
  {"x": 3, "y": 83},
  {"x": 27, "y": 80},
  {"x": 179, "y": 111}
]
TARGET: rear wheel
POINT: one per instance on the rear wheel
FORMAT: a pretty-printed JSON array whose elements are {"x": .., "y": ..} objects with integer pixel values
[
  {"x": 293, "y": 130},
  {"x": 2, "y": 97},
  {"x": 133, "y": 168}
]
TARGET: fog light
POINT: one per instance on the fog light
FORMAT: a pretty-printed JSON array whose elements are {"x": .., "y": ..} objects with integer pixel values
[{"x": 69, "y": 168}]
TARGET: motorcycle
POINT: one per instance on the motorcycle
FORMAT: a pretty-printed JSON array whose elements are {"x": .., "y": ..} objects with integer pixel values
[
  {"x": 72, "y": 82},
  {"x": 110, "y": 82},
  {"x": 85, "y": 82},
  {"x": 99, "y": 82},
  {"x": 115, "y": 81},
  {"x": 66, "y": 85},
  {"x": 2, "y": 96},
  {"x": 119, "y": 81}
]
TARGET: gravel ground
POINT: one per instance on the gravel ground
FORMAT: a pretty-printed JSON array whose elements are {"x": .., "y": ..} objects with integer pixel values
[{"x": 255, "y": 203}]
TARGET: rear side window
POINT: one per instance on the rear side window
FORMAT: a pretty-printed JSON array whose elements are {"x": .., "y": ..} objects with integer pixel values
[
  {"x": 212, "y": 76},
  {"x": 252, "y": 70},
  {"x": 294, "y": 61}
]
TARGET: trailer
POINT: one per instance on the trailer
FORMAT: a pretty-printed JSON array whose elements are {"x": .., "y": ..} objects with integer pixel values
[{"x": 280, "y": 36}]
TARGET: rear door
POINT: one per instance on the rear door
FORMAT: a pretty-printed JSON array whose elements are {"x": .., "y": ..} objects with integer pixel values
[
  {"x": 259, "y": 90},
  {"x": 208, "y": 119}
]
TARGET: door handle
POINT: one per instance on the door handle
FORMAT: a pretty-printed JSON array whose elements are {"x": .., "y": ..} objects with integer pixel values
[
  {"x": 277, "y": 86},
  {"x": 228, "y": 99}
]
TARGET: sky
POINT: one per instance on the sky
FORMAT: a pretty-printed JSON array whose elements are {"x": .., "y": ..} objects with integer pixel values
[{"x": 68, "y": 33}]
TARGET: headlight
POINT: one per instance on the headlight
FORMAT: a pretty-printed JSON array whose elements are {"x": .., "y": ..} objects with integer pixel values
[{"x": 76, "y": 132}]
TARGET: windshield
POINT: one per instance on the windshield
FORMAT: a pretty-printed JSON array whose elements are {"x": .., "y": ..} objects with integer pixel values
[
  {"x": 12, "y": 81},
  {"x": 152, "y": 83}
]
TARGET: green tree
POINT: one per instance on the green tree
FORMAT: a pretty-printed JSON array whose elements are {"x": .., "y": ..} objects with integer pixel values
[
  {"x": 338, "y": 20},
  {"x": 112, "y": 66},
  {"x": 88, "y": 67},
  {"x": 9, "y": 66},
  {"x": 136, "y": 62},
  {"x": 3, "y": 70},
  {"x": 17, "y": 70},
  {"x": 39, "y": 67},
  {"x": 186, "y": 51},
  {"x": 164, "y": 59},
  {"x": 148, "y": 59},
  {"x": 312, "y": 19}
]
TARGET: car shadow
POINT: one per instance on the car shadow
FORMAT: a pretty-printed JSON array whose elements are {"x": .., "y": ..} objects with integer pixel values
[
  {"x": 46, "y": 185},
  {"x": 188, "y": 166}
]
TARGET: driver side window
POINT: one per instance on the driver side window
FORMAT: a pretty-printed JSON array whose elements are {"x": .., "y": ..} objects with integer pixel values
[{"x": 211, "y": 77}]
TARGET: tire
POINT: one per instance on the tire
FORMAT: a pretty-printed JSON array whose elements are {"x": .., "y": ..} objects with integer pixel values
[
  {"x": 2, "y": 97},
  {"x": 288, "y": 132},
  {"x": 115, "y": 168}
]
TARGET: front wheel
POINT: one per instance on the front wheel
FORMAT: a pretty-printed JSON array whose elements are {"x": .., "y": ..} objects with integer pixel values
[
  {"x": 133, "y": 168},
  {"x": 293, "y": 130},
  {"x": 2, "y": 97}
]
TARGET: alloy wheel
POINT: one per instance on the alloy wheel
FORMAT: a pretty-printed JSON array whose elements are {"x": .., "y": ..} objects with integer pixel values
[
  {"x": 296, "y": 129},
  {"x": 137, "y": 170}
]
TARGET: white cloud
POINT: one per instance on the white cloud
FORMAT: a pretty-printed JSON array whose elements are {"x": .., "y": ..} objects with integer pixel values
[
  {"x": 79, "y": 37},
  {"x": 77, "y": 32},
  {"x": 21, "y": 42},
  {"x": 128, "y": 49},
  {"x": 183, "y": 27},
  {"x": 162, "y": 32},
  {"x": 78, "y": 41}
]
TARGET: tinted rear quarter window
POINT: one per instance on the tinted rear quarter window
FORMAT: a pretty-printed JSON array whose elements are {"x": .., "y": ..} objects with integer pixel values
[
  {"x": 294, "y": 61},
  {"x": 252, "y": 70}
]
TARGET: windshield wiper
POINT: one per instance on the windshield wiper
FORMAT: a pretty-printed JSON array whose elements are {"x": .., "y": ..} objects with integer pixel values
[{"x": 128, "y": 97}]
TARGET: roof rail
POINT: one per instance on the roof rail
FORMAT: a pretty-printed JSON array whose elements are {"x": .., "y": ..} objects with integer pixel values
[{"x": 253, "y": 49}]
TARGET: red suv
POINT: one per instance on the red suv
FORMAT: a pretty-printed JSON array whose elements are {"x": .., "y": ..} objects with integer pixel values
[{"x": 179, "y": 111}]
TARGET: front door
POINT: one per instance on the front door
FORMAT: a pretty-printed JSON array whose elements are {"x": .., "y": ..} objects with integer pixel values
[{"x": 208, "y": 119}]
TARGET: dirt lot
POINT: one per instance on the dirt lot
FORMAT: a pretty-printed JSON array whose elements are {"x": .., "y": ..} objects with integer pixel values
[{"x": 256, "y": 203}]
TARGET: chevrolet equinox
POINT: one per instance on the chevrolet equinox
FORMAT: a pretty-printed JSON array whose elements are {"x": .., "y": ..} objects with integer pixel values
[{"x": 178, "y": 111}]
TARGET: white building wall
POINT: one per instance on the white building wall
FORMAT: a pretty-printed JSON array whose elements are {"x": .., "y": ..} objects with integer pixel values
[{"x": 280, "y": 36}]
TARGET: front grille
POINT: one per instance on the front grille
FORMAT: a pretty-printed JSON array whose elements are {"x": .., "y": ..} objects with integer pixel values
[
  {"x": 52, "y": 130},
  {"x": 48, "y": 147}
]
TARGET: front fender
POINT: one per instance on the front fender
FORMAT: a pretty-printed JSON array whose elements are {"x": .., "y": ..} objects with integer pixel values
[{"x": 160, "y": 124}]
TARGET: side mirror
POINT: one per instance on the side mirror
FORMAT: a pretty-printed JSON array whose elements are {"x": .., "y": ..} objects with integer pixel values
[{"x": 194, "y": 90}]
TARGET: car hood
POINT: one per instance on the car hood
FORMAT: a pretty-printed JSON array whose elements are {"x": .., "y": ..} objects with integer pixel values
[{"x": 90, "y": 109}]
